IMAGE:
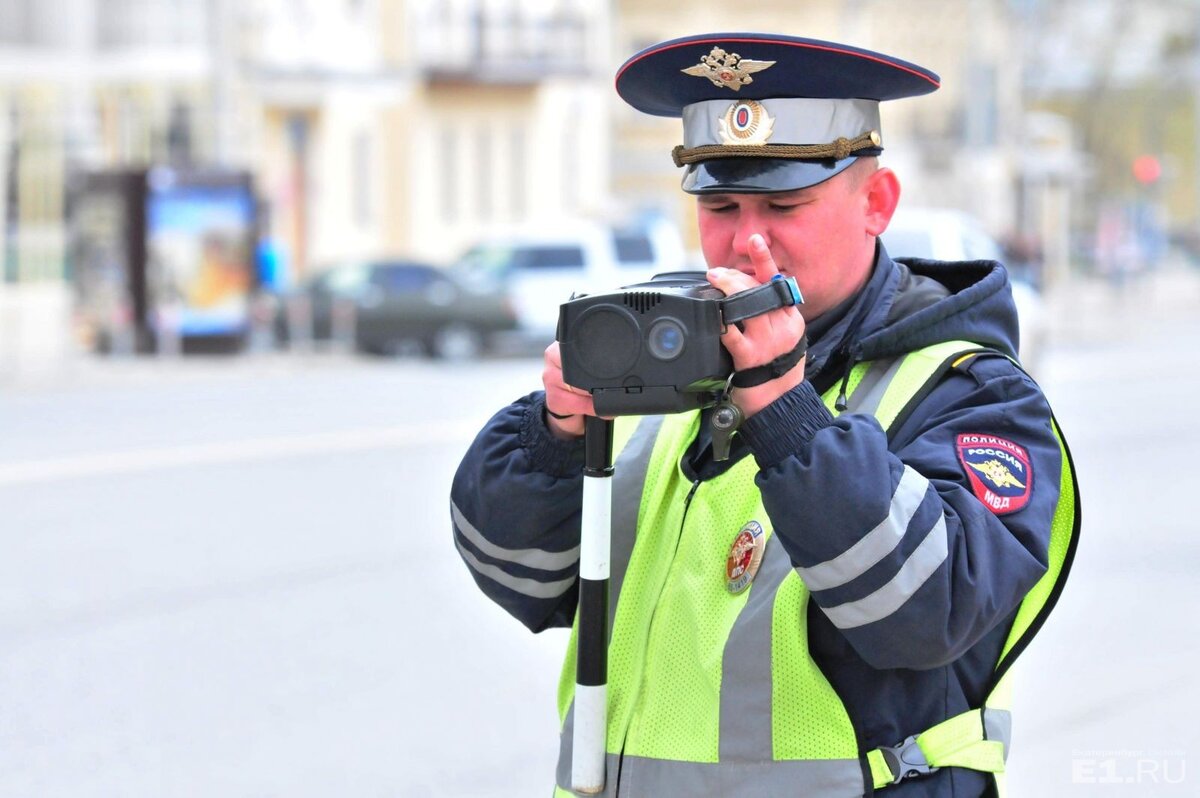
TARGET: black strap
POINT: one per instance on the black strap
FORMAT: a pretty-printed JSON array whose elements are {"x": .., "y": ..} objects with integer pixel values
[
  {"x": 757, "y": 375},
  {"x": 777, "y": 293}
]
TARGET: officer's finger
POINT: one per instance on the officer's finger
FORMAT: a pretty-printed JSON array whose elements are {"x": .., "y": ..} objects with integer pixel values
[
  {"x": 739, "y": 348},
  {"x": 553, "y": 356},
  {"x": 760, "y": 258},
  {"x": 565, "y": 401},
  {"x": 552, "y": 368},
  {"x": 766, "y": 270},
  {"x": 562, "y": 398},
  {"x": 730, "y": 281}
]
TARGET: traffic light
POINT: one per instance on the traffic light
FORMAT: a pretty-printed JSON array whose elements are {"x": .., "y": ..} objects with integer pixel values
[{"x": 1147, "y": 169}]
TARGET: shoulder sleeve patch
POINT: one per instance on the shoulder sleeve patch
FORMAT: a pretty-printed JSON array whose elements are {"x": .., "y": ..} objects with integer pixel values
[{"x": 998, "y": 470}]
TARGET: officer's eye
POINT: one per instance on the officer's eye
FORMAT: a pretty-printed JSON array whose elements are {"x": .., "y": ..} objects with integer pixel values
[
  {"x": 724, "y": 207},
  {"x": 780, "y": 207}
]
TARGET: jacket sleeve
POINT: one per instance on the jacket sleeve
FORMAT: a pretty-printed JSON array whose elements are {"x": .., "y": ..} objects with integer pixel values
[
  {"x": 515, "y": 512},
  {"x": 897, "y": 546}
]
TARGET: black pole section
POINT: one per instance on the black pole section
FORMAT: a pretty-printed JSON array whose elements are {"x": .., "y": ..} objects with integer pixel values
[
  {"x": 591, "y": 663},
  {"x": 597, "y": 447}
]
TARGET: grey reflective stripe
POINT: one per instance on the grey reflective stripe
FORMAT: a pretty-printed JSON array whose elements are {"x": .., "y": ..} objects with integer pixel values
[
  {"x": 870, "y": 390},
  {"x": 745, "y": 711},
  {"x": 562, "y": 773},
  {"x": 530, "y": 558},
  {"x": 876, "y": 544},
  {"x": 997, "y": 725},
  {"x": 629, "y": 478},
  {"x": 640, "y": 776},
  {"x": 919, "y": 566},
  {"x": 526, "y": 587}
]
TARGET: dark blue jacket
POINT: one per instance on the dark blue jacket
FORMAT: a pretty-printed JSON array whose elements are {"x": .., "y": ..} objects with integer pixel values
[{"x": 823, "y": 481}]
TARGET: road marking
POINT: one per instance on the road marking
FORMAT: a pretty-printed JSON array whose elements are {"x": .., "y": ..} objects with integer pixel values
[{"x": 132, "y": 461}]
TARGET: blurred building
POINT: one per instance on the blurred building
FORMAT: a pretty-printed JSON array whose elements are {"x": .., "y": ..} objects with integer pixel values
[
  {"x": 1122, "y": 80},
  {"x": 415, "y": 126},
  {"x": 509, "y": 117},
  {"x": 84, "y": 84},
  {"x": 394, "y": 126},
  {"x": 370, "y": 125}
]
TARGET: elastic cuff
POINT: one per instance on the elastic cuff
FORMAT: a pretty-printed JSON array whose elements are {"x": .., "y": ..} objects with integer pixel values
[
  {"x": 786, "y": 425},
  {"x": 548, "y": 454}
]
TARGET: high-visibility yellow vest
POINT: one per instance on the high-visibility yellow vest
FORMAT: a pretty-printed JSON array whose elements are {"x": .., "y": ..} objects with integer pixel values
[{"x": 716, "y": 694}]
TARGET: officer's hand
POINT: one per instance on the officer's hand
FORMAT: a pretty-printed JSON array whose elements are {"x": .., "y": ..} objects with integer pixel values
[
  {"x": 563, "y": 399},
  {"x": 762, "y": 338}
]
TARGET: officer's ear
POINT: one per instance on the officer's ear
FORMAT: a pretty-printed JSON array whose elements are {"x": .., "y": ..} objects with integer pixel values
[{"x": 881, "y": 192}]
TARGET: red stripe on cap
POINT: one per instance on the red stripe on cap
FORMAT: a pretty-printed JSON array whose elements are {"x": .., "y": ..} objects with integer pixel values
[{"x": 840, "y": 51}]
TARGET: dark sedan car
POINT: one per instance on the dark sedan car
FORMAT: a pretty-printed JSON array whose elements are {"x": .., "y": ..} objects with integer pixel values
[{"x": 387, "y": 305}]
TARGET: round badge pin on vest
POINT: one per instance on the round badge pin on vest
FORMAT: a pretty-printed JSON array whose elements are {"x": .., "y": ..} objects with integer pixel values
[{"x": 745, "y": 555}]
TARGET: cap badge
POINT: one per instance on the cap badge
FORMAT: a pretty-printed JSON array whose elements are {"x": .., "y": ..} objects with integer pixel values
[
  {"x": 746, "y": 122},
  {"x": 745, "y": 555},
  {"x": 727, "y": 69}
]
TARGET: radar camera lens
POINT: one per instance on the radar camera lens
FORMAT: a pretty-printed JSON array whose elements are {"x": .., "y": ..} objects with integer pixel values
[{"x": 666, "y": 339}]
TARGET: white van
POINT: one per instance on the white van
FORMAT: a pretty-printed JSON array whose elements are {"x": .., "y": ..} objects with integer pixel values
[
  {"x": 948, "y": 234},
  {"x": 539, "y": 269}
]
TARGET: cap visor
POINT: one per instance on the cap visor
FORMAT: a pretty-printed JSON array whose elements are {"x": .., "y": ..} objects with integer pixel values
[{"x": 758, "y": 175}]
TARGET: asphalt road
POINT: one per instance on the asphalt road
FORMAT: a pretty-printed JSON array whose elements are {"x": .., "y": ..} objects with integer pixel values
[{"x": 235, "y": 578}]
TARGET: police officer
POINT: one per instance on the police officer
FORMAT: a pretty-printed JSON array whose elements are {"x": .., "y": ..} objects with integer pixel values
[{"x": 834, "y": 609}]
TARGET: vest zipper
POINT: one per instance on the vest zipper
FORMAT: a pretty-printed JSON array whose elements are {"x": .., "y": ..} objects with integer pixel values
[
  {"x": 687, "y": 503},
  {"x": 842, "y": 402}
]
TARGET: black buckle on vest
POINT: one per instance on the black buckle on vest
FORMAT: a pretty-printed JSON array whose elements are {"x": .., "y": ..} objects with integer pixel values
[{"x": 906, "y": 760}]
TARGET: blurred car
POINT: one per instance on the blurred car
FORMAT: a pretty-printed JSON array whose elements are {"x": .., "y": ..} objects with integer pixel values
[
  {"x": 947, "y": 234},
  {"x": 540, "y": 268},
  {"x": 388, "y": 305}
]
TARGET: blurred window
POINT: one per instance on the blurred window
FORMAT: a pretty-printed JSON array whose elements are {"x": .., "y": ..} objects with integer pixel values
[
  {"x": 978, "y": 245},
  {"x": 485, "y": 261},
  {"x": 402, "y": 279},
  {"x": 151, "y": 23},
  {"x": 16, "y": 22},
  {"x": 908, "y": 243},
  {"x": 570, "y": 151},
  {"x": 343, "y": 280},
  {"x": 361, "y": 188},
  {"x": 482, "y": 169},
  {"x": 35, "y": 22},
  {"x": 448, "y": 185},
  {"x": 539, "y": 258},
  {"x": 517, "y": 175},
  {"x": 633, "y": 247},
  {"x": 505, "y": 37}
]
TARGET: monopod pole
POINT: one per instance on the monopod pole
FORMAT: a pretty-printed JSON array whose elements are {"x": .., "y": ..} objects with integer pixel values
[{"x": 591, "y": 656}]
